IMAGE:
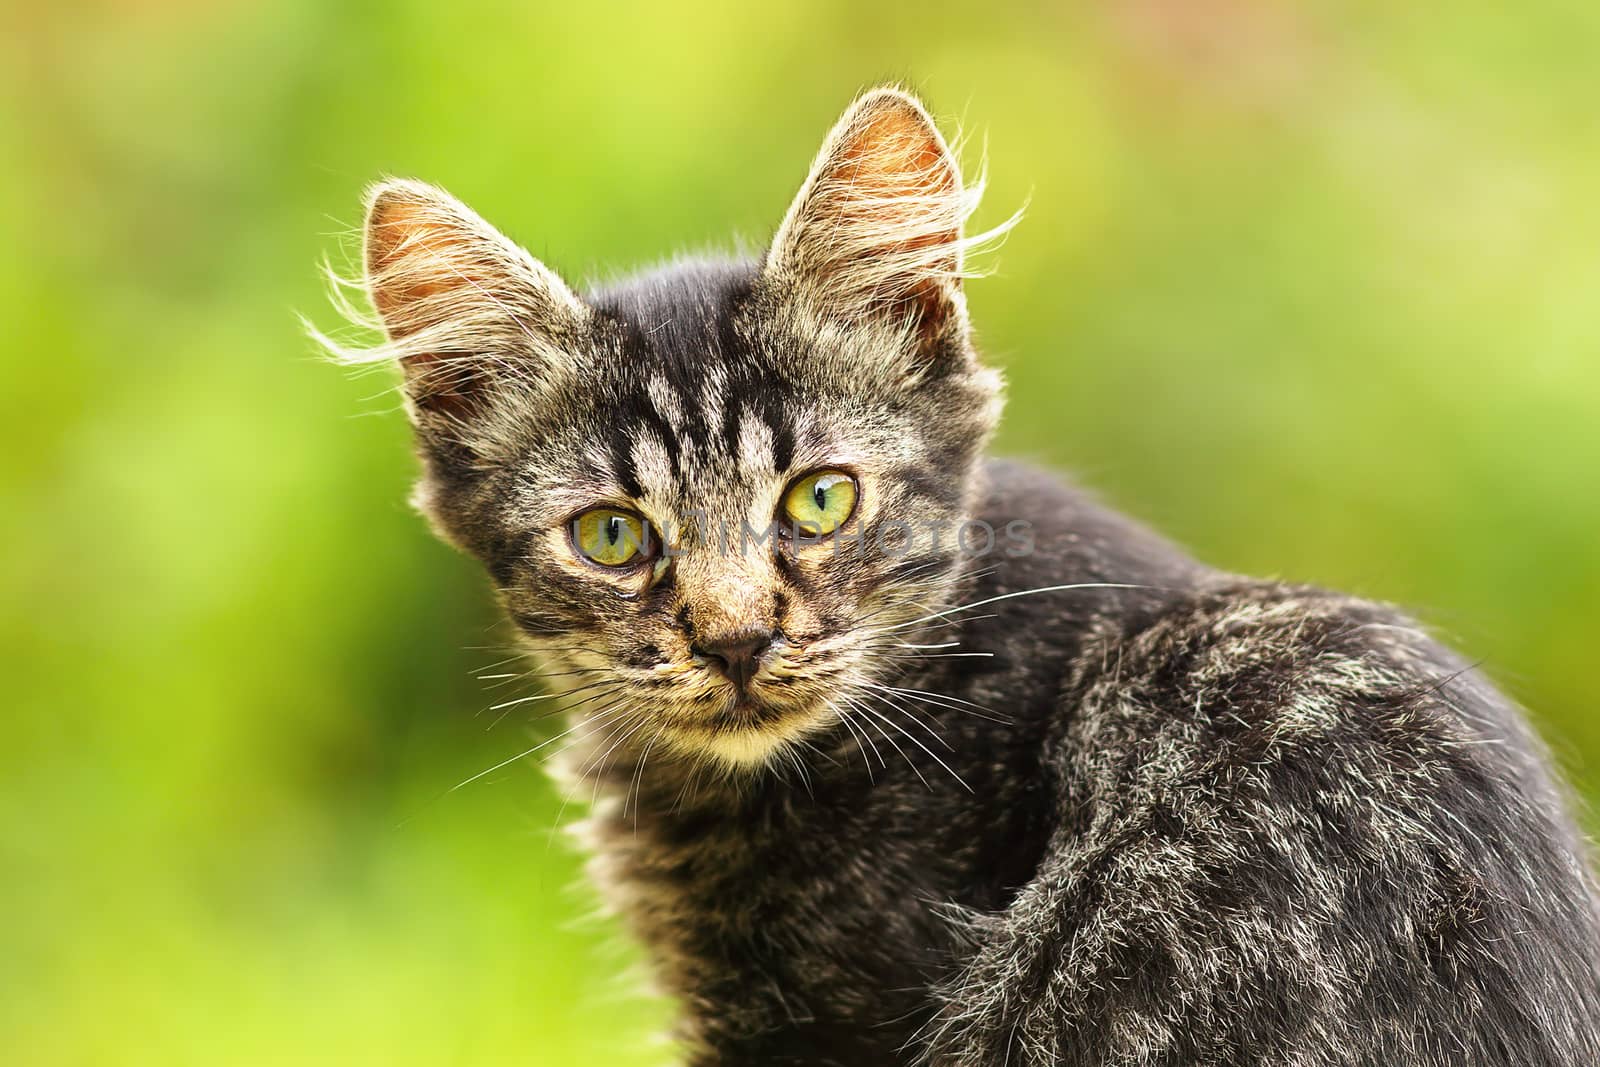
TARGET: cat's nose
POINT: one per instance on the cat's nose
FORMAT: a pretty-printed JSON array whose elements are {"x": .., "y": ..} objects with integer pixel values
[{"x": 738, "y": 656}]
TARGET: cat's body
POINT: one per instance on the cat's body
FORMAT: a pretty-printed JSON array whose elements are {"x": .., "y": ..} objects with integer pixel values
[
  {"x": 1068, "y": 797},
  {"x": 1210, "y": 821}
]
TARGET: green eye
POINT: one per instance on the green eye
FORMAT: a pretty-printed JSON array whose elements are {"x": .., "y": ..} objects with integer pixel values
[
  {"x": 609, "y": 537},
  {"x": 821, "y": 502}
]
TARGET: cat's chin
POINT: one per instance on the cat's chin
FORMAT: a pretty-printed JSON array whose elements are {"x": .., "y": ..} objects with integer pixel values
[{"x": 747, "y": 732}]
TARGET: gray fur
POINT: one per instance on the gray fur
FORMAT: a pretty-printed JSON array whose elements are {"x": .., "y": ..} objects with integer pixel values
[{"x": 1092, "y": 804}]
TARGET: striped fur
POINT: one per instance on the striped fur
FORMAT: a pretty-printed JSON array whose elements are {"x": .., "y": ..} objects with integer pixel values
[{"x": 1090, "y": 804}]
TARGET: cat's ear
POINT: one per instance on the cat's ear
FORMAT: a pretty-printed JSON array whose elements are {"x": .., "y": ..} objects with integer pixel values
[
  {"x": 470, "y": 317},
  {"x": 876, "y": 230}
]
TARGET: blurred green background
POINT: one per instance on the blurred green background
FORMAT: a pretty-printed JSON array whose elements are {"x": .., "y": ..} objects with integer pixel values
[{"x": 1314, "y": 288}]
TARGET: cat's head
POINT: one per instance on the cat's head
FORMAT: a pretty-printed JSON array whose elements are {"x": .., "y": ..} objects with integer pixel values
[{"x": 710, "y": 495}]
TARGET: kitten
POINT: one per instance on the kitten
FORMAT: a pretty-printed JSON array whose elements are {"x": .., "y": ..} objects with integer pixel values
[{"x": 908, "y": 756}]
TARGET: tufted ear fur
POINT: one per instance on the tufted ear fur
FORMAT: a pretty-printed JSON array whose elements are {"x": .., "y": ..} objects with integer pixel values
[
  {"x": 470, "y": 317},
  {"x": 876, "y": 231}
]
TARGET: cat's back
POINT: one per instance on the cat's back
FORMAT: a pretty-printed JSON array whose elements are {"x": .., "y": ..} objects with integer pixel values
[{"x": 1290, "y": 811}]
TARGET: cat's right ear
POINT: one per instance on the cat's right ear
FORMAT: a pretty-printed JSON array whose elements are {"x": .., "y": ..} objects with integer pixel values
[
  {"x": 875, "y": 234},
  {"x": 470, "y": 317}
]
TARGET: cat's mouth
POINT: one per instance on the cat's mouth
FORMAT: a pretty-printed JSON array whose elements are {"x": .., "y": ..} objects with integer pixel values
[
  {"x": 745, "y": 710},
  {"x": 744, "y": 727}
]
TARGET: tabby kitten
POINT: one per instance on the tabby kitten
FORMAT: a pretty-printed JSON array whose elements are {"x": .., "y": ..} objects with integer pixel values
[{"x": 907, "y": 756}]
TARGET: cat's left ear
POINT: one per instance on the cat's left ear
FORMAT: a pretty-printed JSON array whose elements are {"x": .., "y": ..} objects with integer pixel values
[
  {"x": 474, "y": 321},
  {"x": 875, "y": 234}
]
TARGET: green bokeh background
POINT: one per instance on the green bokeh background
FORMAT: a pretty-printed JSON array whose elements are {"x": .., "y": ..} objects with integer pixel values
[{"x": 1314, "y": 288}]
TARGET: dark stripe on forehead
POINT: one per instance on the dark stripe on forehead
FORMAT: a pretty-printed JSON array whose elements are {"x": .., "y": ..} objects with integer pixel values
[
  {"x": 656, "y": 423},
  {"x": 634, "y": 417},
  {"x": 729, "y": 430},
  {"x": 764, "y": 399},
  {"x": 674, "y": 327},
  {"x": 691, "y": 430},
  {"x": 777, "y": 417},
  {"x": 733, "y": 387},
  {"x": 622, "y": 462}
]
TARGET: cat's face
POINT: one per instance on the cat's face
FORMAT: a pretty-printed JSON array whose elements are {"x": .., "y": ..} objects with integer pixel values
[{"x": 713, "y": 497}]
